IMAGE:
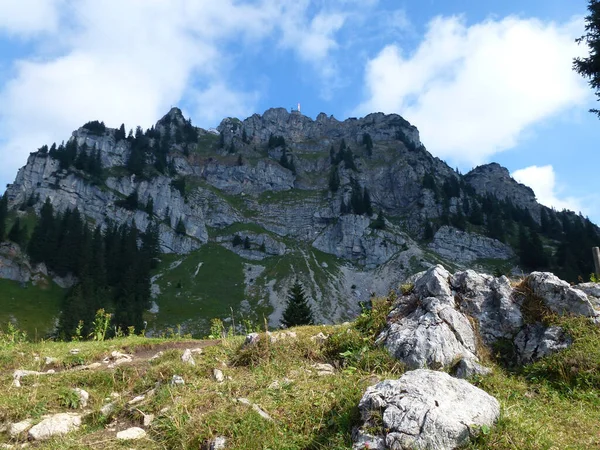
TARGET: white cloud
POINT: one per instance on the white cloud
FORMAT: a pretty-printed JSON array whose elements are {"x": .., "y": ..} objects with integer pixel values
[
  {"x": 542, "y": 180},
  {"x": 219, "y": 101},
  {"x": 25, "y": 18},
  {"x": 473, "y": 90},
  {"x": 312, "y": 39}
]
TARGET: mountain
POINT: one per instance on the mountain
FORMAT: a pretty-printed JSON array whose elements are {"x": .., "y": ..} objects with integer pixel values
[{"x": 349, "y": 208}]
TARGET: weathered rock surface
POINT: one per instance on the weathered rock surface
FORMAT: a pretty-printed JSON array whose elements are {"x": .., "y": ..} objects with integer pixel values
[
  {"x": 423, "y": 409},
  {"x": 460, "y": 246},
  {"x": 434, "y": 333},
  {"x": 446, "y": 318},
  {"x": 559, "y": 296},
  {"x": 536, "y": 341},
  {"x": 57, "y": 424},
  {"x": 16, "y": 429}
]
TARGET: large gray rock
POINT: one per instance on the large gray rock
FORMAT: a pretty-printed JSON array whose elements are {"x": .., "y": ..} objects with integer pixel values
[
  {"x": 592, "y": 290},
  {"x": 55, "y": 425},
  {"x": 536, "y": 341},
  {"x": 559, "y": 296},
  {"x": 491, "y": 301},
  {"x": 423, "y": 409},
  {"x": 435, "y": 334}
]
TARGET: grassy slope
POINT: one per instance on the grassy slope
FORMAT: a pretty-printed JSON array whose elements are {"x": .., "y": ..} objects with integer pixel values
[
  {"x": 32, "y": 309},
  {"x": 191, "y": 299},
  {"x": 552, "y": 404}
]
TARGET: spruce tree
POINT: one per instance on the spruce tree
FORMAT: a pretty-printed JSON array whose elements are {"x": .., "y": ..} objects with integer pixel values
[
  {"x": 237, "y": 240},
  {"x": 18, "y": 233},
  {"x": 180, "y": 228},
  {"x": 334, "y": 179},
  {"x": 590, "y": 67},
  {"x": 3, "y": 216},
  {"x": 297, "y": 311}
]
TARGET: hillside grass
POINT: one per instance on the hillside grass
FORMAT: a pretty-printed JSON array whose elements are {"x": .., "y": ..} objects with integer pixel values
[
  {"x": 207, "y": 283},
  {"x": 552, "y": 404},
  {"x": 30, "y": 308}
]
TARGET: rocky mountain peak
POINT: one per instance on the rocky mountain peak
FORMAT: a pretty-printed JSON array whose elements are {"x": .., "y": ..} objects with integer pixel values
[{"x": 495, "y": 179}]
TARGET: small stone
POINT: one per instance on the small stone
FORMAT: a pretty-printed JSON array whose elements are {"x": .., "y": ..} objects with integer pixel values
[
  {"x": 131, "y": 434},
  {"x": 324, "y": 369},
  {"x": 138, "y": 399},
  {"x": 218, "y": 443},
  {"x": 58, "y": 424},
  {"x": 188, "y": 358},
  {"x": 177, "y": 381},
  {"x": 50, "y": 360},
  {"x": 74, "y": 351},
  {"x": 16, "y": 429},
  {"x": 251, "y": 339},
  {"x": 108, "y": 409},
  {"x": 319, "y": 338},
  {"x": 218, "y": 375},
  {"x": 148, "y": 419},
  {"x": 84, "y": 396},
  {"x": 157, "y": 355},
  {"x": 197, "y": 351}
]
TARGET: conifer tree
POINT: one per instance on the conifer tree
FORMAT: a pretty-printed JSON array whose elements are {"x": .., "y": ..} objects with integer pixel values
[
  {"x": 367, "y": 207},
  {"x": 590, "y": 67},
  {"x": 3, "y": 216},
  {"x": 334, "y": 179},
  {"x": 297, "y": 311},
  {"x": 180, "y": 228},
  {"x": 18, "y": 232}
]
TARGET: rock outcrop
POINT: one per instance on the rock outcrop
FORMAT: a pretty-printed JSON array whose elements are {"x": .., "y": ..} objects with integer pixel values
[
  {"x": 423, "y": 409},
  {"x": 460, "y": 246},
  {"x": 447, "y": 318}
]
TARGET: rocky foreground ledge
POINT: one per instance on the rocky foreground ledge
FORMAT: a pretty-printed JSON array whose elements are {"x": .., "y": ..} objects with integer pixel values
[{"x": 448, "y": 323}]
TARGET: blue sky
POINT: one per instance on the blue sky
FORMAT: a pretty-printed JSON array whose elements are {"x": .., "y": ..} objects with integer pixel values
[{"x": 483, "y": 81}]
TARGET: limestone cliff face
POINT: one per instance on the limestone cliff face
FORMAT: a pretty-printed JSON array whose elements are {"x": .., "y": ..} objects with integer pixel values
[{"x": 236, "y": 183}]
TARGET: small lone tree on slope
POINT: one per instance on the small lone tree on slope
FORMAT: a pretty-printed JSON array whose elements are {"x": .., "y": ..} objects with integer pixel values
[{"x": 297, "y": 311}]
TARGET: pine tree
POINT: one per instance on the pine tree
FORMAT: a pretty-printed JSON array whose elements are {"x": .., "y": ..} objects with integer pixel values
[
  {"x": 590, "y": 67},
  {"x": 428, "y": 231},
  {"x": 149, "y": 206},
  {"x": 368, "y": 209},
  {"x": 180, "y": 228},
  {"x": 120, "y": 133},
  {"x": 297, "y": 311},
  {"x": 247, "y": 243},
  {"x": 237, "y": 240},
  {"x": 18, "y": 233},
  {"x": 368, "y": 143},
  {"x": 379, "y": 222},
  {"x": 3, "y": 216},
  {"x": 334, "y": 179}
]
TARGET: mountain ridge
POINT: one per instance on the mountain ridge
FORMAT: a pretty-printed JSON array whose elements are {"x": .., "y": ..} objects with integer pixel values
[{"x": 349, "y": 207}]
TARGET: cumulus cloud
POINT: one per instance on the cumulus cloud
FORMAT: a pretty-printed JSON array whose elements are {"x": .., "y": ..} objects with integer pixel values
[
  {"x": 542, "y": 180},
  {"x": 474, "y": 90},
  {"x": 25, "y": 18}
]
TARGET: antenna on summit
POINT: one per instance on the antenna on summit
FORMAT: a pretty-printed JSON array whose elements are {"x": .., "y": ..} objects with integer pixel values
[{"x": 295, "y": 110}]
